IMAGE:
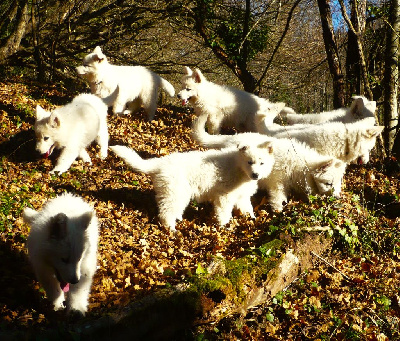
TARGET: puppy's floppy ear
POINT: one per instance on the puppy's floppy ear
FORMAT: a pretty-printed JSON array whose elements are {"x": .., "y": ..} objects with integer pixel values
[
  {"x": 41, "y": 113},
  {"x": 58, "y": 226},
  {"x": 242, "y": 148},
  {"x": 267, "y": 145},
  {"x": 198, "y": 76},
  {"x": 85, "y": 219},
  {"x": 54, "y": 120},
  {"x": 373, "y": 131},
  {"x": 187, "y": 71},
  {"x": 98, "y": 55},
  {"x": 357, "y": 107},
  {"x": 371, "y": 106},
  {"x": 98, "y": 58},
  {"x": 29, "y": 215},
  {"x": 323, "y": 167},
  {"x": 339, "y": 163}
]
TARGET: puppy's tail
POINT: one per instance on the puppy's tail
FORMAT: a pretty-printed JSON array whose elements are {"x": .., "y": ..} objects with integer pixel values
[
  {"x": 203, "y": 138},
  {"x": 134, "y": 160},
  {"x": 167, "y": 86}
]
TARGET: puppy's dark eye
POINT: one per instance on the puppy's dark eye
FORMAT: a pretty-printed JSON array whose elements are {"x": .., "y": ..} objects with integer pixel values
[
  {"x": 188, "y": 89},
  {"x": 45, "y": 138},
  {"x": 261, "y": 163},
  {"x": 328, "y": 184},
  {"x": 250, "y": 162}
]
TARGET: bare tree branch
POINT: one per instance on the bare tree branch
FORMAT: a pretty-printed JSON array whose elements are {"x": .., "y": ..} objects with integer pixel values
[{"x": 288, "y": 19}]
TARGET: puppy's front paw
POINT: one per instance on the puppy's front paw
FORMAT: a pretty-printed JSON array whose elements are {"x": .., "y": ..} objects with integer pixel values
[
  {"x": 103, "y": 154},
  {"x": 56, "y": 171},
  {"x": 58, "y": 303}
]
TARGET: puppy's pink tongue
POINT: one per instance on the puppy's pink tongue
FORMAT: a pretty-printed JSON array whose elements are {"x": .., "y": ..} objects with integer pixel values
[
  {"x": 184, "y": 101},
  {"x": 64, "y": 286},
  {"x": 46, "y": 155}
]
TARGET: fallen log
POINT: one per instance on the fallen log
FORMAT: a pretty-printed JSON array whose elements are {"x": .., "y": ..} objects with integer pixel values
[{"x": 225, "y": 287}]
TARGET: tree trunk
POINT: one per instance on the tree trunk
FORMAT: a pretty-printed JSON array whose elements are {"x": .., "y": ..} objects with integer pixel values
[
  {"x": 390, "y": 110},
  {"x": 37, "y": 53},
  {"x": 357, "y": 35},
  {"x": 11, "y": 44},
  {"x": 353, "y": 69},
  {"x": 238, "y": 68},
  {"x": 332, "y": 54}
]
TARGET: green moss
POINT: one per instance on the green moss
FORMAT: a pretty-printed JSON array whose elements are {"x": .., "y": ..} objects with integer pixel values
[{"x": 240, "y": 274}]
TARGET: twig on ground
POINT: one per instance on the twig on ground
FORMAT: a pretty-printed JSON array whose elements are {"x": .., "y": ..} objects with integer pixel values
[{"x": 331, "y": 265}]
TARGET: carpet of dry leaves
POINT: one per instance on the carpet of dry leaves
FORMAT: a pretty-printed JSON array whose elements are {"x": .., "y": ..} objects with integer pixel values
[{"x": 353, "y": 297}]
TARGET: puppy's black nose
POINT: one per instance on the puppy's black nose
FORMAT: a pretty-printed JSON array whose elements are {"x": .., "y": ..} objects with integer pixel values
[
  {"x": 74, "y": 280},
  {"x": 37, "y": 154},
  {"x": 254, "y": 176},
  {"x": 179, "y": 96}
]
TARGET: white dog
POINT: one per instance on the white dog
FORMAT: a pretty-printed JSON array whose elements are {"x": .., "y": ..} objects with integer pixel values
[
  {"x": 223, "y": 105},
  {"x": 297, "y": 168},
  {"x": 62, "y": 247},
  {"x": 360, "y": 108},
  {"x": 227, "y": 178},
  {"x": 72, "y": 128},
  {"x": 125, "y": 88},
  {"x": 351, "y": 142},
  {"x": 301, "y": 170}
]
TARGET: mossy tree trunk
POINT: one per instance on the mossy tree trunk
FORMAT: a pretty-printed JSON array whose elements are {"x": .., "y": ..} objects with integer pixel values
[{"x": 391, "y": 75}]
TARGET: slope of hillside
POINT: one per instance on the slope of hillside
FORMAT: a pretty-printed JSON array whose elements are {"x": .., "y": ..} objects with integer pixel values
[{"x": 349, "y": 292}]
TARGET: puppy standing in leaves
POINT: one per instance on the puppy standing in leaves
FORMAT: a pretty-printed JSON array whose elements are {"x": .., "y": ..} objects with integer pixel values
[
  {"x": 225, "y": 106},
  {"x": 349, "y": 142},
  {"x": 62, "y": 247},
  {"x": 124, "y": 87},
  {"x": 298, "y": 169},
  {"x": 227, "y": 178},
  {"x": 72, "y": 128}
]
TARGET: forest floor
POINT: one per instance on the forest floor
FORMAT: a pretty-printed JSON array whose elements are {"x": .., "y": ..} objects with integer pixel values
[{"x": 351, "y": 293}]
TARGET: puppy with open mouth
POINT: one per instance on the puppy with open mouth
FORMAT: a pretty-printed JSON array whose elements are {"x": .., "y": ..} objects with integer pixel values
[
  {"x": 62, "y": 248},
  {"x": 72, "y": 128}
]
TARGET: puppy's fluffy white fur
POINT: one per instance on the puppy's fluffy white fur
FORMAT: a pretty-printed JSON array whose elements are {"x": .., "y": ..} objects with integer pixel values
[
  {"x": 298, "y": 169},
  {"x": 360, "y": 108},
  {"x": 225, "y": 106},
  {"x": 302, "y": 171},
  {"x": 72, "y": 128},
  {"x": 62, "y": 247},
  {"x": 227, "y": 178},
  {"x": 125, "y": 88},
  {"x": 351, "y": 142}
]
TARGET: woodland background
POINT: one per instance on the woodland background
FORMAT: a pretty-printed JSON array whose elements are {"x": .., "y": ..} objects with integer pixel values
[{"x": 313, "y": 55}]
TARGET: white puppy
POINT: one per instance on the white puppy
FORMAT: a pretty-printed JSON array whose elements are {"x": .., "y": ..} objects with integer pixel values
[
  {"x": 223, "y": 105},
  {"x": 62, "y": 247},
  {"x": 360, "y": 108},
  {"x": 301, "y": 170},
  {"x": 125, "y": 88},
  {"x": 72, "y": 128},
  {"x": 351, "y": 142},
  {"x": 227, "y": 178},
  {"x": 297, "y": 169}
]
